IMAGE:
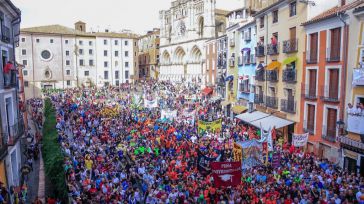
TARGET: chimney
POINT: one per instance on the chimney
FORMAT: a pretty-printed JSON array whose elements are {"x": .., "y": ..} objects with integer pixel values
[
  {"x": 106, "y": 30},
  {"x": 80, "y": 26}
]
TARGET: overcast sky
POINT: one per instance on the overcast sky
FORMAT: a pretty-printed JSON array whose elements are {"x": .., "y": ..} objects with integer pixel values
[{"x": 136, "y": 15}]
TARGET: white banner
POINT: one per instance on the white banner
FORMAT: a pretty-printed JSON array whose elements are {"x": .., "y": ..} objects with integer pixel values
[
  {"x": 355, "y": 123},
  {"x": 300, "y": 140},
  {"x": 358, "y": 77},
  {"x": 166, "y": 114},
  {"x": 150, "y": 103}
]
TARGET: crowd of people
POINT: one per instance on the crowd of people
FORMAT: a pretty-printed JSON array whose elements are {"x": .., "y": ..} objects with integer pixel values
[{"x": 132, "y": 155}]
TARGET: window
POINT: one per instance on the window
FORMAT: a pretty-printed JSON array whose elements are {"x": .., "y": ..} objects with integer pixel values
[
  {"x": 331, "y": 119},
  {"x": 87, "y": 73},
  {"x": 105, "y": 42},
  {"x": 135, "y": 43},
  {"x": 116, "y": 74},
  {"x": 66, "y": 41},
  {"x": 23, "y": 52},
  {"x": 105, "y": 64},
  {"x": 261, "y": 20},
  {"x": 292, "y": 9},
  {"x": 81, "y": 62},
  {"x": 275, "y": 16},
  {"x": 310, "y": 124},
  {"x": 105, "y": 53},
  {"x": 312, "y": 53},
  {"x": 68, "y": 72},
  {"x": 45, "y": 54},
  {"x": 116, "y": 42},
  {"x": 117, "y": 82},
  {"x": 80, "y": 42},
  {"x": 67, "y": 53},
  {"x": 25, "y": 72},
  {"x": 90, "y": 52},
  {"x": 333, "y": 88},
  {"x": 126, "y": 43},
  {"x": 126, "y": 53},
  {"x": 80, "y": 51},
  {"x": 312, "y": 74},
  {"x": 91, "y": 62},
  {"x": 135, "y": 54},
  {"x": 106, "y": 74},
  {"x": 90, "y": 43},
  {"x": 116, "y": 53},
  {"x": 116, "y": 63},
  {"x": 126, "y": 74},
  {"x": 26, "y": 83},
  {"x": 22, "y": 39},
  {"x": 67, "y": 62},
  {"x": 25, "y": 62},
  {"x": 37, "y": 40},
  {"x": 51, "y": 40},
  {"x": 244, "y": 86},
  {"x": 335, "y": 45},
  {"x": 68, "y": 83},
  {"x": 126, "y": 64}
]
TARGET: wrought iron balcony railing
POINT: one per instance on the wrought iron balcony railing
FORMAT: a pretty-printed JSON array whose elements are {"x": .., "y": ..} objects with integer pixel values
[
  {"x": 311, "y": 57},
  {"x": 272, "y": 102},
  {"x": 290, "y": 75},
  {"x": 260, "y": 75},
  {"x": 330, "y": 94},
  {"x": 273, "y": 49},
  {"x": 272, "y": 75},
  {"x": 288, "y": 106},
  {"x": 290, "y": 45},
  {"x": 329, "y": 134},
  {"x": 260, "y": 51}
]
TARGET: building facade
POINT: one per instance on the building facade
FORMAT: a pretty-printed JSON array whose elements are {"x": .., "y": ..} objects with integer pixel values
[
  {"x": 58, "y": 57},
  {"x": 222, "y": 46},
  {"x": 185, "y": 28},
  {"x": 211, "y": 65},
  {"x": 324, "y": 79},
  {"x": 11, "y": 118},
  {"x": 149, "y": 54}
]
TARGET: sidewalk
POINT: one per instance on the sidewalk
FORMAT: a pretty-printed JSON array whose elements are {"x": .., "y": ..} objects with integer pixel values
[{"x": 36, "y": 177}]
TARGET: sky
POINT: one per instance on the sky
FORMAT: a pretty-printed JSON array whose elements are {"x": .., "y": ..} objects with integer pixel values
[{"x": 115, "y": 15}]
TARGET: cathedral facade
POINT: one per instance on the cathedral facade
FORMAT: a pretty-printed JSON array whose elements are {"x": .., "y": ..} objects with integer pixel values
[{"x": 185, "y": 28}]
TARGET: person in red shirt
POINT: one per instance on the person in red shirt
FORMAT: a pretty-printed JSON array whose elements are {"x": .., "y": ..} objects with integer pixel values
[{"x": 7, "y": 72}]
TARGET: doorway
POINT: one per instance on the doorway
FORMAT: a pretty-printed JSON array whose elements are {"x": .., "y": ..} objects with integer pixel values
[{"x": 350, "y": 165}]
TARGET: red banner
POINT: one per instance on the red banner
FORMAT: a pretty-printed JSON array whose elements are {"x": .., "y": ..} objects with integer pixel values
[{"x": 226, "y": 173}]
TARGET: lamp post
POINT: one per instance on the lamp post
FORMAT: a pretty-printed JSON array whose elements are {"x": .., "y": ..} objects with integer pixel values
[{"x": 340, "y": 126}]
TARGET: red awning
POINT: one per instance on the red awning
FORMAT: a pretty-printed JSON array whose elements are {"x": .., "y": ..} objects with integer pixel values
[{"x": 207, "y": 91}]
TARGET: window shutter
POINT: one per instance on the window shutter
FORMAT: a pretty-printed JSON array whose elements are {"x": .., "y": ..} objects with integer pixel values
[
  {"x": 331, "y": 122},
  {"x": 312, "y": 82},
  {"x": 313, "y": 46},
  {"x": 334, "y": 83},
  {"x": 311, "y": 117}
]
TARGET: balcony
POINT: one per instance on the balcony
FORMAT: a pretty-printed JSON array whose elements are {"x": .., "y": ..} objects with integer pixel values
[
  {"x": 232, "y": 62},
  {"x": 258, "y": 98},
  {"x": 247, "y": 59},
  {"x": 273, "y": 49},
  {"x": 272, "y": 102},
  {"x": 14, "y": 132},
  {"x": 260, "y": 51},
  {"x": 329, "y": 134},
  {"x": 330, "y": 94},
  {"x": 350, "y": 142},
  {"x": 247, "y": 36},
  {"x": 260, "y": 75},
  {"x": 288, "y": 106},
  {"x": 3, "y": 146},
  {"x": 290, "y": 46},
  {"x": 232, "y": 43},
  {"x": 290, "y": 76},
  {"x": 12, "y": 81},
  {"x": 332, "y": 55},
  {"x": 309, "y": 127},
  {"x": 311, "y": 57},
  {"x": 355, "y": 123},
  {"x": 5, "y": 34},
  {"x": 309, "y": 91},
  {"x": 272, "y": 75},
  {"x": 252, "y": 59}
]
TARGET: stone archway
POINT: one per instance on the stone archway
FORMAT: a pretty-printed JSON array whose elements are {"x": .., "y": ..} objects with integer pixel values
[{"x": 179, "y": 55}]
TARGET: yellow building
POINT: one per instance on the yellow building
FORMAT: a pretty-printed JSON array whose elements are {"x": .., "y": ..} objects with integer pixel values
[
  {"x": 149, "y": 54},
  {"x": 279, "y": 52},
  {"x": 352, "y": 144}
]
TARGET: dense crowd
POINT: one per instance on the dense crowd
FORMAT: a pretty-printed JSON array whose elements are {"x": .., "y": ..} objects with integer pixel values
[{"x": 135, "y": 157}]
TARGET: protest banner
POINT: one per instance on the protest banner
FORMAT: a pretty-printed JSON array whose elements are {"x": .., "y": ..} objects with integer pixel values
[
  {"x": 210, "y": 126},
  {"x": 276, "y": 160},
  {"x": 168, "y": 114},
  {"x": 226, "y": 173},
  {"x": 251, "y": 153},
  {"x": 150, "y": 103},
  {"x": 300, "y": 140},
  {"x": 237, "y": 152}
]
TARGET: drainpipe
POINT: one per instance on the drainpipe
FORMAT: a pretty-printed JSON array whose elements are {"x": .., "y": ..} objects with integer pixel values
[{"x": 344, "y": 67}]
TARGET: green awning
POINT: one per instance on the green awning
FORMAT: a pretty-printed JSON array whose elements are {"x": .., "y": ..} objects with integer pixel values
[{"x": 289, "y": 60}]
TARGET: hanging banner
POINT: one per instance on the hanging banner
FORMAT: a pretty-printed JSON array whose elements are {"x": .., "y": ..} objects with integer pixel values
[
  {"x": 237, "y": 152},
  {"x": 276, "y": 160},
  {"x": 251, "y": 153},
  {"x": 210, "y": 126},
  {"x": 167, "y": 114},
  {"x": 358, "y": 77},
  {"x": 203, "y": 163},
  {"x": 150, "y": 103},
  {"x": 300, "y": 140},
  {"x": 355, "y": 123},
  {"x": 226, "y": 173}
]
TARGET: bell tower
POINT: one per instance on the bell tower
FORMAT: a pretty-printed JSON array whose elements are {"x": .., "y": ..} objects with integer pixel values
[{"x": 80, "y": 26}]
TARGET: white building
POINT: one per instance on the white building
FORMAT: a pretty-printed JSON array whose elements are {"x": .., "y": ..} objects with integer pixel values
[
  {"x": 185, "y": 28},
  {"x": 58, "y": 57}
]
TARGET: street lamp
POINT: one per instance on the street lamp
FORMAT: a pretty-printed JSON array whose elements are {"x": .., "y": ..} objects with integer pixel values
[{"x": 340, "y": 126}]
